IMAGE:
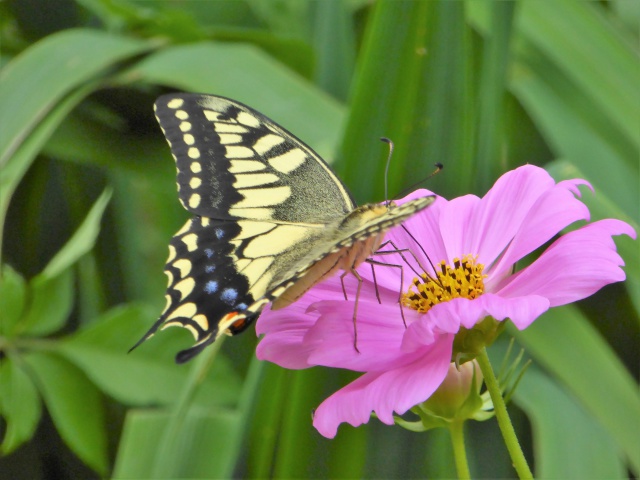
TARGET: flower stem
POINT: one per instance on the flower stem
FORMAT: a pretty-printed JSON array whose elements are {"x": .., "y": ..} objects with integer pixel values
[
  {"x": 504, "y": 422},
  {"x": 456, "y": 430},
  {"x": 165, "y": 456}
]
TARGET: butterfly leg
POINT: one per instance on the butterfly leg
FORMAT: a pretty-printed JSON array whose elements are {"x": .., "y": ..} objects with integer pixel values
[
  {"x": 401, "y": 251},
  {"x": 423, "y": 251},
  {"x": 375, "y": 262},
  {"x": 353, "y": 271},
  {"x": 375, "y": 280},
  {"x": 344, "y": 290}
]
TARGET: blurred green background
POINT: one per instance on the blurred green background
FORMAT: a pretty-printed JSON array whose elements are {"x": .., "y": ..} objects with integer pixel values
[{"x": 88, "y": 204}]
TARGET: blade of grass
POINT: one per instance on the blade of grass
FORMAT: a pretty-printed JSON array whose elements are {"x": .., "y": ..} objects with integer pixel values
[
  {"x": 495, "y": 59},
  {"x": 383, "y": 99},
  {"x": 576, "y": 37},
  {"x": 587, "y": 363},
  {"x": 568, "y": 442}
]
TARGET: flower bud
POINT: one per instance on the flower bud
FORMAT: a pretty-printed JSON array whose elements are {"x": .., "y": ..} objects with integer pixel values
[
  {"x": 469, "y": 342},
  {"x": 458, "y": 396}
]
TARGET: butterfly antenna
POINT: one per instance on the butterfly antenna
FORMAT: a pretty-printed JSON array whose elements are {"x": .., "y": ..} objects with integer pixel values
[
  {"x": 386, "y": 170},
  {"x": 438, "y": 166}
]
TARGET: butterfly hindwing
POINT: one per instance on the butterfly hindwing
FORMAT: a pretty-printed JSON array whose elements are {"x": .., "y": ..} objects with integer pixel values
[{"x": 204, "y": 284}]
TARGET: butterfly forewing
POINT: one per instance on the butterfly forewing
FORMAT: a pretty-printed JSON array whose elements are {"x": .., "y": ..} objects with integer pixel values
[
  {"x": 233, "y": 162},
  {"x": 270, "y": 217}
]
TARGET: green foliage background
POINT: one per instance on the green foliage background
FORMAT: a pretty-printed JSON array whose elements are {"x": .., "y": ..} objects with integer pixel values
[{"x": 88, "y": 204}]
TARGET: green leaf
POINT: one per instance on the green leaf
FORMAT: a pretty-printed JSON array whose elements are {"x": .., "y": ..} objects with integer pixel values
[
  {"x": 577, "y": 80},
  {"x": 19, "y": 406},
  {"x": 75, "y": 405},
  {"x": 82, "y": 240},
  {"x": 335, "y": 46},
  {"x": 601, "y": 206},
  {"x": 572, "y": 137},
  {"x": 148, "y": 375},
  {"x": 297, "y": 433},
  {"x": 492, "y": 94},
  {"x": 568, "y": 442},
  {"x": 61, "y": 62},
  {"x": 19, "y": 163},
  {"x": 251, "y": 77},
  {"x": 204, "y": 445},
  {"x": 285, "y": 16},
  {"x": 388, "y": 101},
  {"x": 564, "y": 342},
  {"x": 131, "y": 153},
  {"x": 50, "y": 304},
  {"x": 559, "y": 30},
  {"x": 266, "y": 422},
  {"x": 12, "y": 299}
]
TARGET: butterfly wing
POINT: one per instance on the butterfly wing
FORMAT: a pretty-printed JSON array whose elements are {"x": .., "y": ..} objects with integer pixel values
[
  {"x": 261, "y": 198},
  {"x": 235, "y": 163}
]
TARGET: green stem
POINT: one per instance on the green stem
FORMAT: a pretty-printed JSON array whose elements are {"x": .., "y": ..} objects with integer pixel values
[
  {"x": 504, "y": 422},
  {"x": 456, "y": 430},
  {"x": 165, "y": 457}
]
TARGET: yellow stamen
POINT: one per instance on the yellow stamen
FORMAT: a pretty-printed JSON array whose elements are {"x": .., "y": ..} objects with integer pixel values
[{"x": 464, "y": 279}]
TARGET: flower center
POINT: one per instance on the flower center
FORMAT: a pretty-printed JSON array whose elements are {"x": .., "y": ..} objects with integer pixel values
[{"x": 464, "y": 279}]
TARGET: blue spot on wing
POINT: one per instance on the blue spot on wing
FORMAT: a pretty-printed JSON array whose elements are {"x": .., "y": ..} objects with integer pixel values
[
  {"x": 211, "y": 286},
  {"x": 209, "y": 268},
  {"x": 229, "y": 295},
  {"x": 219, "y": 233}
]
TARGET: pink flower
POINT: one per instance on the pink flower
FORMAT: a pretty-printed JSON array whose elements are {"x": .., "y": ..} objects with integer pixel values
[{"x": 402, "y": 364}]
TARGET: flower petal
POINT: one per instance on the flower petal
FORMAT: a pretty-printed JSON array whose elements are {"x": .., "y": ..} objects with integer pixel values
[
  {"x": 556, "y": 208},
  {"x": 455, "y": 223},
  {"x": 575, "y": 266},
  {"x": 284, "y": 333},
  {"x": 499, "y": 215},
  {"x": 379, "y": 331},
  {"x": 396, "y": 389},
  {"x": 462, "y": 312}
]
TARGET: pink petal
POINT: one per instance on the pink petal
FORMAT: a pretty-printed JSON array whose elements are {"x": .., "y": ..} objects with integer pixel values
[
  {"x": 462, "y": 312},
  {"x": 455, "y": 223},
  {"x": 575, "y": 266},
  {"x": 384, "y": 392},
  {"x": 501, "y": 212},
  {"x": 379, "y": 329},
  {"x": 555, "y": 209},
  {"x": 284, "y": 330},
  {"x": 284, "y": 333}
]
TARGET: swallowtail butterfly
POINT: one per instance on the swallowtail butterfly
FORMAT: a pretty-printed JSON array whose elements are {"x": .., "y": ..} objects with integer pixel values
[{"x": 270, "y": 218}]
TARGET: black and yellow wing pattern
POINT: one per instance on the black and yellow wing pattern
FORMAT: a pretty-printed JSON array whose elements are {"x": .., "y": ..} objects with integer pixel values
[{"x": 270, "y": 218}]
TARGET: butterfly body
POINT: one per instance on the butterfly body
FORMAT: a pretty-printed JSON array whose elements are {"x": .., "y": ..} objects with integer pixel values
[{"x": 271, "y": 219}]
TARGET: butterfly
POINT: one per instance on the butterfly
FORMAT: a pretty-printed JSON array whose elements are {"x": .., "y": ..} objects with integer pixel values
[{"x": 270, "y": 218}]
